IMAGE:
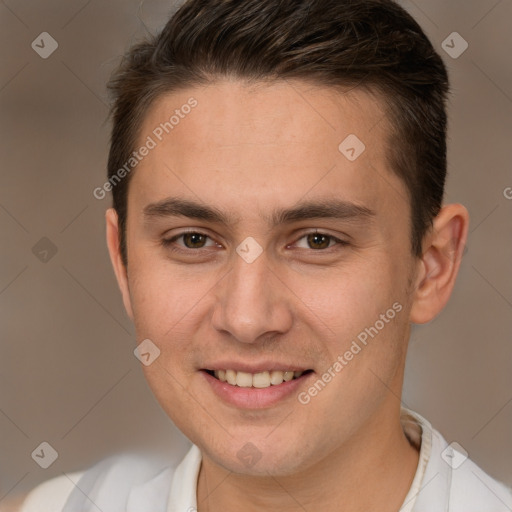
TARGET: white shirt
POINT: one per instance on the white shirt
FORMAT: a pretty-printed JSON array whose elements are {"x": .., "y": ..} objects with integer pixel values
[{"x": 445, "y": 481}]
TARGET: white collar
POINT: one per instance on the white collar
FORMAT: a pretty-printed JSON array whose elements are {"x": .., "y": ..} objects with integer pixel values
[
  {"x": 184, "y": 483},
  {"x": 419, "y": 432}
]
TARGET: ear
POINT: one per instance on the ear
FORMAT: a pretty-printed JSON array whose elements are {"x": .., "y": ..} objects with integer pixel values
[
  {"x": 116, "y": 259},
  {"x": 439, "y": 265}
]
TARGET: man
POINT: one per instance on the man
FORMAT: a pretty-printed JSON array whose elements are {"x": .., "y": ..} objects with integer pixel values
[{"x": 277, "y": 169}]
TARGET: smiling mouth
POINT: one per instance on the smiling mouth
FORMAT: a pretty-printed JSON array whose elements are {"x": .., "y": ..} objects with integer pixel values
[{"x": 256, "y": 380}]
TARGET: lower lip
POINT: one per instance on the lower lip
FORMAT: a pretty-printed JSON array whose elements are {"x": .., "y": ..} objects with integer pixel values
[{"x": 255, "y": 398}]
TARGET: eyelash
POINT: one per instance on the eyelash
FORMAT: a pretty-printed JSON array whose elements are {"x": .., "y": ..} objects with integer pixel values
[{"x": 169, "y": 243}]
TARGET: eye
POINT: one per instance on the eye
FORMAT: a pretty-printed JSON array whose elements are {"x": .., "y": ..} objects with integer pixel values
[
  {"x": 191, "y": 240},
  {"x": 319, "y": 241}
]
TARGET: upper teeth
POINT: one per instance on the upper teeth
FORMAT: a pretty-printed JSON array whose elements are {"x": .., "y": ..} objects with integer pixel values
[{"x": 257, "y": 380}]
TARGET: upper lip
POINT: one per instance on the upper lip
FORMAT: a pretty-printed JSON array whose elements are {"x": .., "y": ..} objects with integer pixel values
[{"x": 253, "y": 367}]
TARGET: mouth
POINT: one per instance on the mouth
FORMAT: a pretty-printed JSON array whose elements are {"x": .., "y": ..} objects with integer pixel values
[{"x": 260, "y": 380}]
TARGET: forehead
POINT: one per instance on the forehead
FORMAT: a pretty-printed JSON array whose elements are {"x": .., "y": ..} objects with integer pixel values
[
  {"x": 251, "y": 143},
  {"x": 231, "y": 112}
]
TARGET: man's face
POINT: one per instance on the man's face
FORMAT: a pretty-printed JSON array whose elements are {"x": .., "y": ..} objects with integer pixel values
[{"x": 248, "y": 154}]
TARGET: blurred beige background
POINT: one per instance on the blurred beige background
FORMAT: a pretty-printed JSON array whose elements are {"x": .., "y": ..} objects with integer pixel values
[{"x": 67, "y": 371}]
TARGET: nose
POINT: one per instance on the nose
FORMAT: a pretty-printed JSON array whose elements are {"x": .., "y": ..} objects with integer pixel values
[{"x": 252, "y": 303}]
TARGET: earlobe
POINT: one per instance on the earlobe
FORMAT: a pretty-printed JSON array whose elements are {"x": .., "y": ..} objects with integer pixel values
[
  {"x": 440, "y": 263},
  {"x": 112, "y": 228}
]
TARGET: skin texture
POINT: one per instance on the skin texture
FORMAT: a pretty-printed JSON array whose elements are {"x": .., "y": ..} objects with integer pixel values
[{"x": 248, "y": 150}]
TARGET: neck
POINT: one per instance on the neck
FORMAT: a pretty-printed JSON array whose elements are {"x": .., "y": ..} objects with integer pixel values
[{"x": 371, "y": 471}]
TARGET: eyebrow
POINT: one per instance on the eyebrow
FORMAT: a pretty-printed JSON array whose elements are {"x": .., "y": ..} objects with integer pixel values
[{"x": 325, "y": 209}]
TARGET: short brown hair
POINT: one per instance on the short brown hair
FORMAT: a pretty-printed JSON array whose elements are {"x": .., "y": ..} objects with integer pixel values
[{"x": 370, "y": 44}]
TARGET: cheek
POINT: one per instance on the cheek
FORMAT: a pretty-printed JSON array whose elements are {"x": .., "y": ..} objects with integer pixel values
[
  {"x": 164, "y": 297},
  {"x": 359, "y": 315},
  {"x": 351, "y": 297}
]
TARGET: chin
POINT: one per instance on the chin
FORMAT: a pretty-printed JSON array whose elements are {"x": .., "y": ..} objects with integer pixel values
[{"x": 257, "y": 457}]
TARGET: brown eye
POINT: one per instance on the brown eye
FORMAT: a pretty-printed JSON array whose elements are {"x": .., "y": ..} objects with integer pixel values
[
  {"x": 321, "y": 242},
  {"x": 318, "y": 240},
  {"x": 194, "y": 240},
  {"x": 188, "y": 240}
]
